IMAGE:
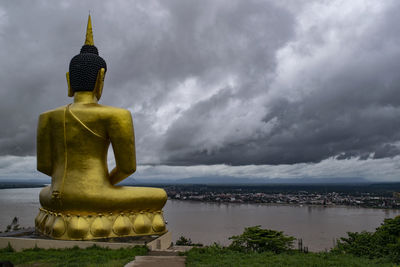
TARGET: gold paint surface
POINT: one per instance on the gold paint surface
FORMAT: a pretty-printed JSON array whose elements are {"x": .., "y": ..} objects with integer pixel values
[
  {"x": 70, "y": 92},
  {"x": 98, "y": 226},
  {"x": 78, "y": 227},
  {"x": 89, "y": 32},
  {"x": 58, "y": 227},
  {"x": 101, "y": 226},
  {"x": 142, "y": 224},
  {"x": 122, "y": 225},
  {"x": 72, "y": 147}
]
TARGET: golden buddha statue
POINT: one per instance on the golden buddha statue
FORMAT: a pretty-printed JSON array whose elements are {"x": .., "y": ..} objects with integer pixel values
[{"x": 83, "y": 201}]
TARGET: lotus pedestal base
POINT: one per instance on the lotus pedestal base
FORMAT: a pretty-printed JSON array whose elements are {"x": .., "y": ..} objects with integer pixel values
[{"x": 99, "y": 225}]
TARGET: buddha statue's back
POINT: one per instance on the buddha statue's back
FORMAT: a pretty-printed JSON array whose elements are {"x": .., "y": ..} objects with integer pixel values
[{"x": 83, "y": 201}]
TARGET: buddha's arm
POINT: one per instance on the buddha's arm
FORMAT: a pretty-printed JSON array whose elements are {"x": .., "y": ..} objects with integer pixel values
[
  {"x": 122, "y": 138},
  {"x": 43, "y": 154}
]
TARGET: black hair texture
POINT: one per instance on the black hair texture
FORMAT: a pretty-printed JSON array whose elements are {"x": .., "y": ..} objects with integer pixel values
[{"x": 83, "y": 69}]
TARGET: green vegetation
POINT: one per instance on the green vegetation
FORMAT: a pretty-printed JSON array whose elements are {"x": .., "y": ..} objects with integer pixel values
[
  {"x": 219, "y": 256},
  {"x": 263, "y": 247},
  {"x": 92, "y": 256},
  {"x": 383, "y": 243},
  {"x": 183, "y": 241},
  {"x": 255, "y": 239}
]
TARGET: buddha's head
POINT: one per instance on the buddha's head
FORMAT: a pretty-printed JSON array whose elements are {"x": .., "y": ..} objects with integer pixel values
[{"x": 87, "y": 69}]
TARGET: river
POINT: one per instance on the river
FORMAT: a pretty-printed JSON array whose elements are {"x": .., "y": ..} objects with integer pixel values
[{"x": 213, "y": 222}]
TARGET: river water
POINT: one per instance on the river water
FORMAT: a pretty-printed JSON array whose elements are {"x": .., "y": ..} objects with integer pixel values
[{"x": 213, "y": 222}]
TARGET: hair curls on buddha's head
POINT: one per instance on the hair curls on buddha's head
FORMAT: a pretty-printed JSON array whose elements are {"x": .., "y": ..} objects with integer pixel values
[{"x": 84, "y": 67}]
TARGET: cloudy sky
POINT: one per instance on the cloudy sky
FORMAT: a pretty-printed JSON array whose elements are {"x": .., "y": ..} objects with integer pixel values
[{"x": 258, "y": 89}]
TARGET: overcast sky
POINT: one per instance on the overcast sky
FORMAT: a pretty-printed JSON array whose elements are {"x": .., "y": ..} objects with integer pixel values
[{"x": 278, "y": 89}]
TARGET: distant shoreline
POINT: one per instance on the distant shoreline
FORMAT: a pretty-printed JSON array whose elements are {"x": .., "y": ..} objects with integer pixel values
[
  {"x": 20, "y": 186},
  {"x": 286, "y": 204}
]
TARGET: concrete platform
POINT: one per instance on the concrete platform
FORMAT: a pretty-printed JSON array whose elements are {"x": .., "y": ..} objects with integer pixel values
[
  {"x": 27, "y": 239},
  {"x": 166, "y": 258},
  {"x": 156, "y": 261}
]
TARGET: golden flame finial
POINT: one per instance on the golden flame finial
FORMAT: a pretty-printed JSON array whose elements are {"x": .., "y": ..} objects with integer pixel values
[{"x": 89, "y": 33}]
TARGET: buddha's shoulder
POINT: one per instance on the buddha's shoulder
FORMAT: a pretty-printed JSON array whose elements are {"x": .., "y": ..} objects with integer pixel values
[
  {"x": 52, "y": 112},
  {"x": 110, "y": 111},
  {"x": 102, "y": 111}
]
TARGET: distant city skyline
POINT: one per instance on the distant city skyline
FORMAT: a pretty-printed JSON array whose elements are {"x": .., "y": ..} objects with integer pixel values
[{"x": 218, "y": 88}]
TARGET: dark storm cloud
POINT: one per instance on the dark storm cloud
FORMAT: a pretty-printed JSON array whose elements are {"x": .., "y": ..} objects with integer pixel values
[
  {"x": 34, "y": 52},
  {"x": 344, "y": 105},
  {"x": 208, "y": 82}
]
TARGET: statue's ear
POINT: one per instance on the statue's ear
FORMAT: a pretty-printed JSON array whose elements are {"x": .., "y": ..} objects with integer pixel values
[
  {"x": 70, "y": 91},
  {"x": 98, "y": 88}
]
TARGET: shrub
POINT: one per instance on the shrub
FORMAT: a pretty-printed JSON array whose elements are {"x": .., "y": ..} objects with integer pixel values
[
  {"x": 261, "y": 240},
  {"x": 384, "y": 242},
  {"x": 9, "y": 248},
  {"x": 183, "y": 241}
]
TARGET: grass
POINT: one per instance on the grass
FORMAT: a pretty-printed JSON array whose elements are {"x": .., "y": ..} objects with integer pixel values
[
  {"x": 207, "y": 256},
  {"x": 218, "y": 256},
  {"x": 92, "y": 256}
]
